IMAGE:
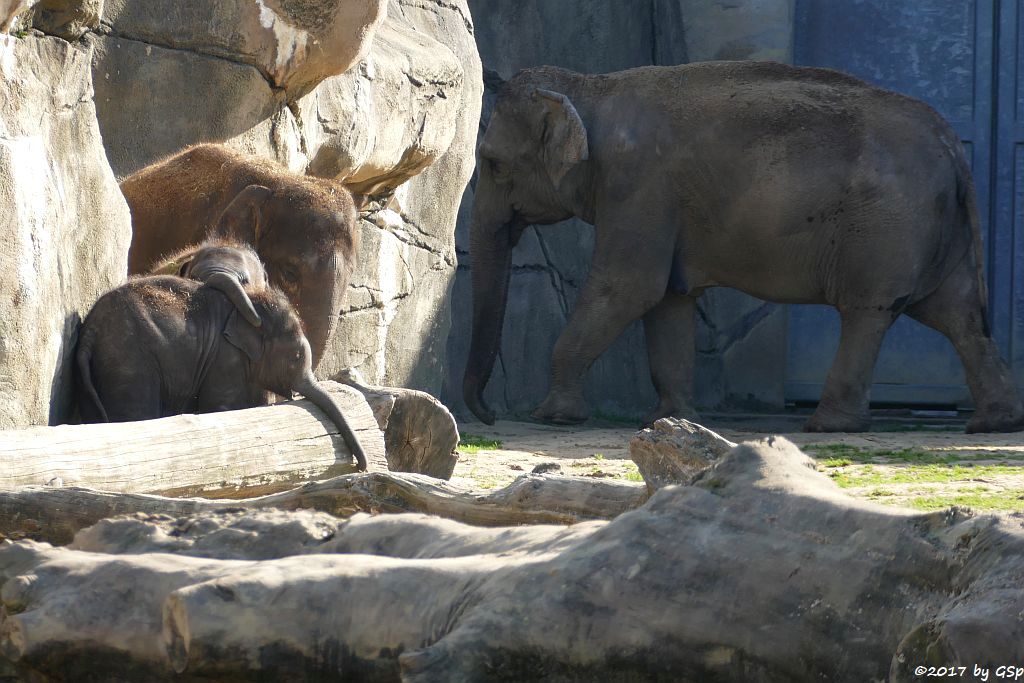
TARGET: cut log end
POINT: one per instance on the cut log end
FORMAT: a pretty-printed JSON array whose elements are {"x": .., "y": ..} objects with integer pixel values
[{"x": 420, "y": 434}]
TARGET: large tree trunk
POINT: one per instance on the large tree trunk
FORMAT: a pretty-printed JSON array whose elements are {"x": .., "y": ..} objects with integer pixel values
[
  {"x": 761, "y": 570},
  {"x": 262, "y": 449}
]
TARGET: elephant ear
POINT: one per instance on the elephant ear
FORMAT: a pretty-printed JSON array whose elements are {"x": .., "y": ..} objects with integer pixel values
[
  {"x": 244, "y": 336},
  {"x": 175, "y": 265},
  {"x": 241, "y": 218},
  {"x": 565, "y": 136}
]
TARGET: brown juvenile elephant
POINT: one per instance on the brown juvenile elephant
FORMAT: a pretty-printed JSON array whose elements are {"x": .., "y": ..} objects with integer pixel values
[
  {"x": 303, "y": 228},
  {"x": 221, "y": 264},
  {"x": 164, "y": 345},
  {"x": 794, "y": 185}
]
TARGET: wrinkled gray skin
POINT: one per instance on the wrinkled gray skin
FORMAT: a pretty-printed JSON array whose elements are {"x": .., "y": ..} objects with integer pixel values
[
  {"x": 794, "y": 185},
  {"x": 192, "y": 352},
  {"x": 223, "y": 265}
]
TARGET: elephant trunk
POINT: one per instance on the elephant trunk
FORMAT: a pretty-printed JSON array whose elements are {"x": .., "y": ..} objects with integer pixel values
[
  {"x": 322, "y": 400},
  {"x": 231, "y": 287},
  {"x": 491, "y": 248}
]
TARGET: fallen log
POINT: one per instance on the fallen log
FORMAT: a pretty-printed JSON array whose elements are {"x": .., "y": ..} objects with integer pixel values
[
  {"x": 55, "y": 514},
  {"x": 420, "y": 434},
  {"x": 271, "y": 447},
  {"x": 762, "y": 570}
]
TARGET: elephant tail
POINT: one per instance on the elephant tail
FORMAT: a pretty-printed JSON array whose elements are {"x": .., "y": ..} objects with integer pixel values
[
  {"x": 968, "y": 201},
  {"x": 84, "y": 359}
]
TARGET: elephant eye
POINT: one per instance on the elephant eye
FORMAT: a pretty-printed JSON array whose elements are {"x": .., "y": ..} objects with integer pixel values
[
  {"x": 290, "y": 275},
  {"x": 500, "y": 170}
]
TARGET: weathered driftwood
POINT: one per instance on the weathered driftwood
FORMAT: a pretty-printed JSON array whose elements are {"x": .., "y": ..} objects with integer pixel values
[
  {"x": 762, "y": 570},
  {"x": 675, "y": 451},
  {"x": 420, "y": 434},
  {"x": 273, "y": 446},
  {"x": 55, "y": 514}
]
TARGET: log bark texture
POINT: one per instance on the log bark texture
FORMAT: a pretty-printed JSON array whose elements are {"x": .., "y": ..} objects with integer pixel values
[
  {"x": 420, "y": 433},
  {"x": 271, "y": 447},
  {"x": 675, "y": 451},
  {"x": 55, "y": 514},
  {"x": 761, "y": 570}
]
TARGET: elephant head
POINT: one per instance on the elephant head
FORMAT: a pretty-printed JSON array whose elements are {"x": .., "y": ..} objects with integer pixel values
[
  {"x": 280, "y": 359},
  {"x": 530, "y": 171},
  {"x": 307, "y": 238},
  {"x": 225, "y": 266}
]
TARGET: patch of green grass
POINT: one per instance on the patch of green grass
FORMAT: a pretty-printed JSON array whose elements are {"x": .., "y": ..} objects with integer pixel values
[
  {"x": 598, "y": 456},
  {"x": 982, "y": 499},
  {"x": 920, "y": 474},
  {"x": 835, "y": 462},
  {"x": 826, "y": 452},
  {"x": 916, "y": 427},
  {"x": 631, "y": 420},
  {"x": 631, "y": 472},
  {"x": 472, "y": 443},
  {"x": 20, "y": 34}
]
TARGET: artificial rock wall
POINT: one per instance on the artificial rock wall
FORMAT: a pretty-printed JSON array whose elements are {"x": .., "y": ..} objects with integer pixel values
[
  {"x": 741, "y": 341},
  {"x": 64, "y": 225},
  {"x": 393, "y": 113},
  {"x": 381, "y": 94}
]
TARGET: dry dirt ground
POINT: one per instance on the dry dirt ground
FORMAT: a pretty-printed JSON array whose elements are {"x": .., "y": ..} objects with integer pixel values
[{"x": 924, "y": 466}]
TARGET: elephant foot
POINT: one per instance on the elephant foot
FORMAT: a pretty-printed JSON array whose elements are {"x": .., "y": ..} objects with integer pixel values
[
  {"x": 827, "y": 421},
  {"x": 560, "y": 410},
  {"x": 998, "y": 418},
  {"x": 684, "y": 412}
]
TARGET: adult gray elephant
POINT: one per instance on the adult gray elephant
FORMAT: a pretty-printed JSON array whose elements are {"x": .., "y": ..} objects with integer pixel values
[{"x": 795, "y": 185}]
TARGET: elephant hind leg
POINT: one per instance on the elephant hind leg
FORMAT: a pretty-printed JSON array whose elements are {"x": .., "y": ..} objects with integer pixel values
[
  {"x": 955, "y": 310},
  {"x": 671, "y": 347},
  {"x": 844, "y": 400},
  {"x": 139, "y": 402},
  {"x": 129, "y": 391}
]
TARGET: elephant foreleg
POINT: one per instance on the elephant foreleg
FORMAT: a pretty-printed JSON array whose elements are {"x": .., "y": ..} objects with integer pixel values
[
  {"x": 844, "y": 400},
  {"x": 954, "y": 309},
  {"x": 628, "y": 277},
  {"x": 671, "y": 349}
]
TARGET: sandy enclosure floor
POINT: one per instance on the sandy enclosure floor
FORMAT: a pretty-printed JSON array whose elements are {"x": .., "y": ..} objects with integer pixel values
[{"x": 927, "y": 467}]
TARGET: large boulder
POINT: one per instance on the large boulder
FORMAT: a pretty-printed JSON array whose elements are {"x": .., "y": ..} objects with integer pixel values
[
  {"x": 294, "y": 44},
  {"x": 423, "y": 70},
  {"x": 63, "y": 223}
]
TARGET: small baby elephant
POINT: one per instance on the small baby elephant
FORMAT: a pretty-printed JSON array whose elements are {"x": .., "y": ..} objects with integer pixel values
[
  {"x": 165, "y": 345},
  {"x": 221, "y": 264}
]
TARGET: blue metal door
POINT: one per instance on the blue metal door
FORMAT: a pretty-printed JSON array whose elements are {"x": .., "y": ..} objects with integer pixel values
[
  {"x": 940, "y": 51},
  {"x": 1006, "y": 263}
]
